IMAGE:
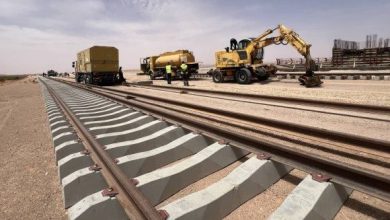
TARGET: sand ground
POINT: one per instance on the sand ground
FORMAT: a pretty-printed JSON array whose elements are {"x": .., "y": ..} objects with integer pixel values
[
  {"x": 375, "y": 92},
  {"x": 28, "y": 174}
]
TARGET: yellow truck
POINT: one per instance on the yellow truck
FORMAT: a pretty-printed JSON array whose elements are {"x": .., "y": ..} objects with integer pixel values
[
  {"x": 97, "y": 65},
  {"x": 154, "y": 66}
]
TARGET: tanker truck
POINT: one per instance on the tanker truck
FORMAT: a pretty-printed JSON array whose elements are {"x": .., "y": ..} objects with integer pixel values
[
  {"x": 97, "y": 65},
  {"x": 154, "y": 66}
]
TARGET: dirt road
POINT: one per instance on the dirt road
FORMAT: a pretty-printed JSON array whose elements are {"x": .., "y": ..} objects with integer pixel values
[{"x": 28, "y": 174}]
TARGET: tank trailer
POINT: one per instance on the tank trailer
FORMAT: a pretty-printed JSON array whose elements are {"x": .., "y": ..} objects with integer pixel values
[{"x": 154, "y": 66}]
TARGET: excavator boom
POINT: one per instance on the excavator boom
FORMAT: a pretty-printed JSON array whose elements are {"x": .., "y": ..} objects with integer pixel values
[{"x": 288, "y": 36}]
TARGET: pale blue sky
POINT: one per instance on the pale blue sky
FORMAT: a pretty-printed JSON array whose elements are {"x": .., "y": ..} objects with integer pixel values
[{"x": 37, "y": 35}]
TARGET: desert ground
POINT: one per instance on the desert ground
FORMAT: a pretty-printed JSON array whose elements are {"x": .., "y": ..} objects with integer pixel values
[{"x": 28, "y": 173}]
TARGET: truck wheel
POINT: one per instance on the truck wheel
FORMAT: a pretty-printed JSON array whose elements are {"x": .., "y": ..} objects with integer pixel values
[
  {"x": 262, "y": 74},
  {"x": 88, "y": 79},
  {"x": 151, "y": 75},
  {"x": 218, "y": 76},
  {"x": 243, "y": 76},
  {"x": 116, "y": 79},
  {"x": 262, "y": 78},
  {"x": 77, "y": 78}
]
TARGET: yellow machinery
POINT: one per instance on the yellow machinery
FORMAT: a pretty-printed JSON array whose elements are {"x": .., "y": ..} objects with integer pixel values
[
  {"x": 243, "y": 61},
  {"x": 97, "y": 64},
  {"x": 155, "y": 65}
]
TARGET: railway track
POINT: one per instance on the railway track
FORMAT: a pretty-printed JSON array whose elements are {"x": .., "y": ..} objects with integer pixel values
[
  {"x": 367, "y": 75},
  {"x": 362, "y": 111},
  {"x": 324, "y": 75},
  {"x": 142, "y": 151}
]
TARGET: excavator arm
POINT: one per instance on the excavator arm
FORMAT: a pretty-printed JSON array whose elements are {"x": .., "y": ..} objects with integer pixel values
[
  {"x": 300, "y": 45},
  {"x": 288, "y": 36}
]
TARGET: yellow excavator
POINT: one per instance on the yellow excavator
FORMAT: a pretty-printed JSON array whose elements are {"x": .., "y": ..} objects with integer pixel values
[{"x": 243, "y": 61}]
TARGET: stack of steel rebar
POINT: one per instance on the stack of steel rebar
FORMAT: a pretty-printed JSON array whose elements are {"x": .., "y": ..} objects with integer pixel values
[
  {"x": 343, "y": 44},
  {"x": 372, "y": 41},
  {"x": 386, "y": 42},
  {"x": 375, "y": 52}
]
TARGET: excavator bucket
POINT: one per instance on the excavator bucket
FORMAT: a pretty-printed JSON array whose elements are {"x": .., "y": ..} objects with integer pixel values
[{"x": 310, "y": 81}]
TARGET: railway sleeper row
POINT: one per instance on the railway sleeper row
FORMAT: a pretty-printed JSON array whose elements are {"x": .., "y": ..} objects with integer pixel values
[
  {"x": 72, "y": 162},
  {"x": 162, "y": 158}
]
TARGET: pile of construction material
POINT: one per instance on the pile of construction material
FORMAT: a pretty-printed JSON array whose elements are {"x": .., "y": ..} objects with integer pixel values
[{"x": 374, "y": 55}]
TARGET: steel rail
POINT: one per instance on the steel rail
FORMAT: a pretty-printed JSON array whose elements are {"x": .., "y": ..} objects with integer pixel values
[
  {"x": 136, "y": 205},
  {"x": 365, "y": 157},
  {"x": 341, "y": 173},
  {"x": 370, "y": 143},
  {"x": 259, "y": 102},
  {"x": 334, "y": 74},
  {"x": 368, "y": 157},
  {"x": 297, "y": 73},
  {"x": 293, "y": 100}
]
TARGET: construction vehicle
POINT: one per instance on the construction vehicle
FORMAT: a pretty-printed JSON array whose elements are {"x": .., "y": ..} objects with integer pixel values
[
  {"x": 154, "y": 66},
  {"x": 97, "y": 65},
  {"x": 243, "y": 62},
  {"x": 52, "y": 73}
]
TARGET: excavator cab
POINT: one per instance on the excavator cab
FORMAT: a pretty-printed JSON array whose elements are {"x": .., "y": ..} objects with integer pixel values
[
  {"x": 243, "y": 44},
  {"x": 256, "y": 55}
]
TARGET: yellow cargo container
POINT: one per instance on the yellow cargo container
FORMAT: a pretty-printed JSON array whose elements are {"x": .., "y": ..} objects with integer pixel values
[{"x": 97, "y": 64}]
